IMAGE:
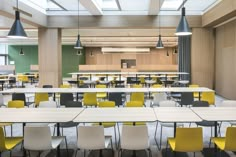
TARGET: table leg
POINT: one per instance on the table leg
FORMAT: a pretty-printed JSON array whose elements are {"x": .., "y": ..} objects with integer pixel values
[
  {"x": 2, "y": 85},
  {"x": 174, "y": 129},
  {"x": 77, "y": 80},
  {"x": 199, "y": 96},
  {"x": 24, "y": 151},
  {"x": 215, "y": 149},
  {"x": 54, "y": 96},
  {"x": 58, "y": 134}
]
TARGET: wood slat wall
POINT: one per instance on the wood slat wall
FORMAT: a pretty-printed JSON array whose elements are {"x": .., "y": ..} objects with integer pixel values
[
  {"x": 202, "y": 57},
  {"x": 225, "y": 76}
]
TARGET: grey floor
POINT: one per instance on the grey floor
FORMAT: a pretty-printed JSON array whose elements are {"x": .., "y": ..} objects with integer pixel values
[{"x": 70, "y": 133}]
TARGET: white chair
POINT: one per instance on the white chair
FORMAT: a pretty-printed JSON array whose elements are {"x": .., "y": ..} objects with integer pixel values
[
  {"x": 165, "y": 103},
  {"x": 47, "y": 104},
  {"x": 157, "y": 97},
  {"x": 40, "y": 139},
  {"x": 134, "y": 138},
  {"x": 93, "y": 138}
]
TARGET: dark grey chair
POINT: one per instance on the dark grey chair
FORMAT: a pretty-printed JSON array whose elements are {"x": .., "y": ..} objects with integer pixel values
[
  {"x": 117, "y": 98},
  {"x": 65, "y": 98},
  {"x": 186, "y": 98},
  {"x": 48, "y": 86}
]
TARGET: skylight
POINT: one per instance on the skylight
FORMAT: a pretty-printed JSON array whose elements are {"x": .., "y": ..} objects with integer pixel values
[
  {"x": 108, "y": 4},
  {"x": 171, "y": 4}
]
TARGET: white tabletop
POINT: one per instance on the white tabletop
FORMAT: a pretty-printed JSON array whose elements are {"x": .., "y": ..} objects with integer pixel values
[
  {"x": 176, "y": 114},
  {"x": 181, "y": 89},
  {"x": 132, "y": 114},
  {"x": 39, "y": 115},
  {"x": 216, "y": 113},
  {"x": 4, "y": 79},
  {"x": 128, "y": 73}
]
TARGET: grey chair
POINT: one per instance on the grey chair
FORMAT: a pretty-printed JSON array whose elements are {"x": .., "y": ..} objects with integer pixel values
[
  {"x": 117, "y": 98},
  {"x": 205, "y": 123},
  {"x": 186, "y": 99},
  {"x": 65, "y": 98}
]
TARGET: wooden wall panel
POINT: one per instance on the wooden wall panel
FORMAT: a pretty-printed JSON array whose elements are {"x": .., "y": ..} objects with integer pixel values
[
  {"x": 156, "y": 57},
  {"x": 202, "y": 57},
  {"x": 225, "y": 60}
]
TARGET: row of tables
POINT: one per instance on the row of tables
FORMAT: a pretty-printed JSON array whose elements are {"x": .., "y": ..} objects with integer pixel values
[{"x": 99, "y": 115}]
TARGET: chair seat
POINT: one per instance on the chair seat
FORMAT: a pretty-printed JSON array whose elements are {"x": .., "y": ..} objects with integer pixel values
[
  {"x": 56, "y": 140},
  {"x": 5, "y": 124},
  {"x": 136, "y": 123},
  {"x": 107, "y": 124},
  {"x": 206, "y": 123},
  {"x": 101, "y": 95},
  {"x": 68, "y": 124},
  {"x": 172, "y": 143},
  {"x": 219, "y": 141},
  {"x": 171, "y": 124},
  {"x": 11, "y": 142}
]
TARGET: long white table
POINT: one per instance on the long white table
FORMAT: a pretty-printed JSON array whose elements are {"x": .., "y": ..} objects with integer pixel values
[
  {"x": 39, "y": 115},
  {"x": 132, "y": 114}
]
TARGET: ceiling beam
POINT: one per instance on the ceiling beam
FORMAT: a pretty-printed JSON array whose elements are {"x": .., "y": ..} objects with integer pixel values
[
  {"x": 92, "y": 6},
  {"x": 154, "y": 7}
]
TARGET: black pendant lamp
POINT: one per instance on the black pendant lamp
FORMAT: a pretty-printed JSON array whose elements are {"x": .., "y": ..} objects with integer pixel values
[
  {"x": 183, "y": 27},
  {"x": 21, "y": 52},
  {"x": 17, "y": 30},
  {"x": 78, "y": 44},
  {"x": 159, "y": 43}
]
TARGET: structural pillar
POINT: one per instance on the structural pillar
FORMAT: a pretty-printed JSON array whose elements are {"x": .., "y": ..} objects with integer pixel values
[{"x": 50, "y": 56}]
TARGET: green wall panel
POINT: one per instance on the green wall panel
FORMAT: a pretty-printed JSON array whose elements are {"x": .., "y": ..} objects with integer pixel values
[
  {"x": 23, "y": 62},
  {"x": 70, "y": 59}
]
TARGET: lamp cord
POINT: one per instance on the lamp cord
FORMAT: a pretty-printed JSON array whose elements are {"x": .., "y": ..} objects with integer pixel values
[
  {"x": 78, "y": 16},
  {"x": 17, "y": 5},
  {"x": 159, "y": 17}
]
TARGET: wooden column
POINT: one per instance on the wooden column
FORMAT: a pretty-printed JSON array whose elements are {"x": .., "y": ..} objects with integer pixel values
[{"x": 50, "y": 57}]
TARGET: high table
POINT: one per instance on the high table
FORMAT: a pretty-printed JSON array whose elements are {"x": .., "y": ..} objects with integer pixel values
[
  {"x": 216, "y": 114},
  {"x": 39, "y": 115}
]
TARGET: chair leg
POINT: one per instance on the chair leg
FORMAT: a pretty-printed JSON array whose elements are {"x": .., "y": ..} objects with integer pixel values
[
  {"x": 150, "y": 152},
  {"x": 193, "y": 154},
  {"x": 76, "y": 152},
  {"x": 84, "y": 152},
  {"x": 166, "y": 148},
  {"x": 11, "y": 130},
  {"x": 161, "y": 138},
  {"x": 67, "y": 151},
  {"x": 115, "y": 136},
  {"x": 156, "y": 136},
  {"x": 10, "y": 154}
]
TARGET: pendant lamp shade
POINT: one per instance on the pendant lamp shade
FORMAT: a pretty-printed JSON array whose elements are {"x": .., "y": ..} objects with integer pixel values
[
  {"x": 159, "y": 43},
  {"x": 183, "y": 27},
  {"x": 17, "y": 30},
  {"x": 21, "y": 52},
  {"x": 78, "y": 44}
]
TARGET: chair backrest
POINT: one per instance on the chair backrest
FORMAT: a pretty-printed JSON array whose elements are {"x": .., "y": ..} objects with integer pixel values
[
  {"x": 230, "y": 143},
  {"x": 1, "y": 100},
  {"x": 91, "y": 137},
  {"x": 167, "y": 103},
  {"x": 2, "y": 140},
  {"x": 189, "y": 139},
  {"x": 106, "y": 104},
  {"x": 157, "y": 97},
  {"x": 156, "y": 86},
  {"x": 186, "y": 98},
  {"x": 73, "y": 104},
  {"x": 65, "y": 97},
  {"x": 16, "y": 104},
  {"x": 200, "y": 104},
  {"x": 117, "y": 97},
  {"x": 137, "y": 86},
  {"x": 134, "y": 104},
  {"x": 19, "y": 96},
  {"x": 37, "y": 138},
  {"x": 47, "y": 86},
  {"x": 134, "y": 137},
  {"x": 228, "y": 103},
  {"x": 90, "y": 99},
  {"x": 137, "y": 96},
  {"x": 40, "y": 97},
  {"x": 208, "y": 96},
  {"x": 101, "y": 86},
  {"x": 47, "y": 104}
]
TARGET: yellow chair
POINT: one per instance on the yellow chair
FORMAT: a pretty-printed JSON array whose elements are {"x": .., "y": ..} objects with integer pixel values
[
  {"x": 186, "y": 140},
  {"x": 226, "y": 143},
  {"x": 195, "y": 94},
  {"x": 209, "y": 97},
  {"x": 137, "y": 86},
  {"x": 16, "y": 104},
  {"x": 142, "y": 80},
  {"x": 156, "y": 86},
  {"x": 8, "y": 143},
  {"x": 137, "y": 96},
  {"x": 101, "y": 95},
  {"x": 90, "y": 99},
  {"x": 40, "y": 97},
  {"x": 134, "y": 104},
  {"x": 65, "y": 86},
  {"x": 104, "y": 104}
]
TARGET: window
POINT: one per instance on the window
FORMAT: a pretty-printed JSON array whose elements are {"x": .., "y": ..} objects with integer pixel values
[{"x": 3, "y": 54}]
